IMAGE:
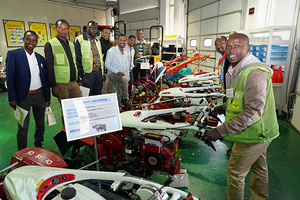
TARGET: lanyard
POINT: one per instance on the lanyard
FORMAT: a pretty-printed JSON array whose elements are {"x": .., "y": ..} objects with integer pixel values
[{"x": 222, "y": 59}]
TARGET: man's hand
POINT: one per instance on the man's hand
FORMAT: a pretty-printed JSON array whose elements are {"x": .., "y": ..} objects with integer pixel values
[
  {"x": 104, "y": 77},
  {"x": 85, "y": 81},
  {"x": 55, "y": 92},
  {"x": 138, "y": 55},
  {"x": 219, "y": 110},
  {"x": 13, "y": 104},
  {"x": 121, "y": 74},
  {"x": 212, "y": 135},
  {"x": 48, "y": 103}
]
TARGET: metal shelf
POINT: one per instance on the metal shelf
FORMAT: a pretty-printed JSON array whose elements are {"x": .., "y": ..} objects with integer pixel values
[{"x": 271, "y": 38}]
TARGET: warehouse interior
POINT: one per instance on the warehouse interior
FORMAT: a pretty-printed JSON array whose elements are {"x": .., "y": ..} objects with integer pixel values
[{"x": 192, "y": 26}]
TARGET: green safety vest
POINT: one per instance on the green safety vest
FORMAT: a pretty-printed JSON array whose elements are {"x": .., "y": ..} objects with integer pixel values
[
  {"x": 266, "y": 128},
  {"x": 61, "y": 62},
  {"x": 87, "y": 56}
]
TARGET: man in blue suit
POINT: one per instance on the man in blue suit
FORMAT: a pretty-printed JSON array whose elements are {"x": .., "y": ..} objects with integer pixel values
[{"x": 28, "y": 87}]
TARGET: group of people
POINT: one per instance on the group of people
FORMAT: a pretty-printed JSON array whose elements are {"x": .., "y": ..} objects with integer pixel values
[
  {"x": 250, "y": 113},
  {"x": 88, "y": 61}
]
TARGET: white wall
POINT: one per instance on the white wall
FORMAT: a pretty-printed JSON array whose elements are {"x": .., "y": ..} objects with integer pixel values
[
  {"x": 140, "y": 14},
  {"x": 282, "y": 15},
  {"x": 127, "y": 6},
  {"x": 44, "y": 12}
]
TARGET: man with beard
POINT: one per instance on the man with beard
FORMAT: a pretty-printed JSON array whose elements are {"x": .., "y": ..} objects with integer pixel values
[
  {"x": 129, "y": 48},
  {"x": 28, "y": 87},
  {"x": 250, "y": 121},
  {"x": 118, "y": 69},
  {"x": 61, "y": 64},
  {"x": 223, "y": 63},
  {"x": 89, "y": 59},
  {"x": 105, "y": 46},
  {"x": 142, "y": 49}
]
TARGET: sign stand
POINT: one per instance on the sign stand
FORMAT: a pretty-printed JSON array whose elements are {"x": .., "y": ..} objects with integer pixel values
[{"x": 91, "y": 116}]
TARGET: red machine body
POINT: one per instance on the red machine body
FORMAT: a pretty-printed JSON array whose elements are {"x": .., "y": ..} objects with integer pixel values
[
  {"x": 37, "y": 156},
  {"x": 32, "y": 156},
  {"x": 158, "y": 155},
  {"x": 136, "y": 153}
]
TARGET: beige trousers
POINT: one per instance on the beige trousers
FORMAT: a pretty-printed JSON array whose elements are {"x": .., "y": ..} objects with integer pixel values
[
  {"x": 68, "y": 90},
  {"x": 241, "y": 161},
  {"x": 107, "y": 86}
]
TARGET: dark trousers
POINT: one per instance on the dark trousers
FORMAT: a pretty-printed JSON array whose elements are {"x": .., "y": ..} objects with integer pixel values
[
  {"x": 95, "y": 82},
  {"x": 38, "y": 104},
  {"x": 130, "y": 82},
  {"x": 136, "y": 70}
]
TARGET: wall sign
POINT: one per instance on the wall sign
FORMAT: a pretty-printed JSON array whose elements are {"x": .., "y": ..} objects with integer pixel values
[
  {"x": 14, "y": 32},
  {"x": 72, "y": 32},
  {"x": 53, "y": 31},
  {"x": 40, "y": 29}
]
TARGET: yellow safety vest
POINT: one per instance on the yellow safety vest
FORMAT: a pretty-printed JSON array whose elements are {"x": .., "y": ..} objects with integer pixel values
[
  {"x": 87, "y": 56},
  {"x": 263, "y": 130},
  {"x": 61, "y": 62}
]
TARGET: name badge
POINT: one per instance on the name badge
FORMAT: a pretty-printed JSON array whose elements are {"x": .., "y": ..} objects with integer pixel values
[{"x": 229, "y": 93}]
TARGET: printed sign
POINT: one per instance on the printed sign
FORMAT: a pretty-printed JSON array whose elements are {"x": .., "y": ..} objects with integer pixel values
[
  {"x": 14, "y": 31},
  {"x": 91, "y": 116},
  {"x": 53, "y": 31},
  {"x": 72, "y": 32},
  {"x": 40, "y": 29}
]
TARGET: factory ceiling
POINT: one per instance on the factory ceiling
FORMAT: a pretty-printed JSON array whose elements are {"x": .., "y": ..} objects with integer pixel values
[{"x": 95, "y": 4}]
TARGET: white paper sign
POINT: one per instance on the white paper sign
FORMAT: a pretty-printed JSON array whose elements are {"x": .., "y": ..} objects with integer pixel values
[
  {"x": 85, "y": 91},
  {"x": 145, "y": 65},
  {"x": 90, "y": 116}
]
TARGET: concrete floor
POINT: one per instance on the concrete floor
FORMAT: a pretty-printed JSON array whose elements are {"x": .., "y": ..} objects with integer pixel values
[{"x": 206, "y": 168}]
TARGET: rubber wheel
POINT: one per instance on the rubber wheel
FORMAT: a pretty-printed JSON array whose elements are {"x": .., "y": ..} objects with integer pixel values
[{"x": 166, "y": 83}]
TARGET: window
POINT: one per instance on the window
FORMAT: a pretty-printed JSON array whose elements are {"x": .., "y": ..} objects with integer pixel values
[
  {"x": 207, "y": 42},
  {"x": 193, "y": 42}
]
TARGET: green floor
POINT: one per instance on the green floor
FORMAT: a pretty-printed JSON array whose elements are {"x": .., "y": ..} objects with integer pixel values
[{"x": 206, "y": 168}]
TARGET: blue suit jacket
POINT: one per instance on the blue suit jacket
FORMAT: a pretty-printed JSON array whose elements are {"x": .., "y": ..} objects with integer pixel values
[{"x": 18, "y": 75}]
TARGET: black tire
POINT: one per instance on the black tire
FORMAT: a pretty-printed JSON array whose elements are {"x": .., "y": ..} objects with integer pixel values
[{"x": 166, "y": 83}]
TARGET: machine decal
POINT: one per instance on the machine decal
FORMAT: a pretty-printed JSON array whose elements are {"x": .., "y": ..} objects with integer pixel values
[{"x": 137, "y": 114}]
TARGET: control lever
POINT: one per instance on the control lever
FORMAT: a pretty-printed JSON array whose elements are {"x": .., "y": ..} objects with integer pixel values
[
  {"x": 199, "y": 135},
  {"x": 104, "y": 158},
  {"x": 166, "y": 183}
]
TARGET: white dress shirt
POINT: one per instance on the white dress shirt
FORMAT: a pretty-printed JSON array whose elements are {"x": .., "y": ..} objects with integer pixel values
[
  {"x": 35, "y": 82},
  {"x": 131, "y": 52}
]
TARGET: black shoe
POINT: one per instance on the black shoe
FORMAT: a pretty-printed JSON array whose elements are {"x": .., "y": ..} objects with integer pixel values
[{"x": 125, "y": 102}]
